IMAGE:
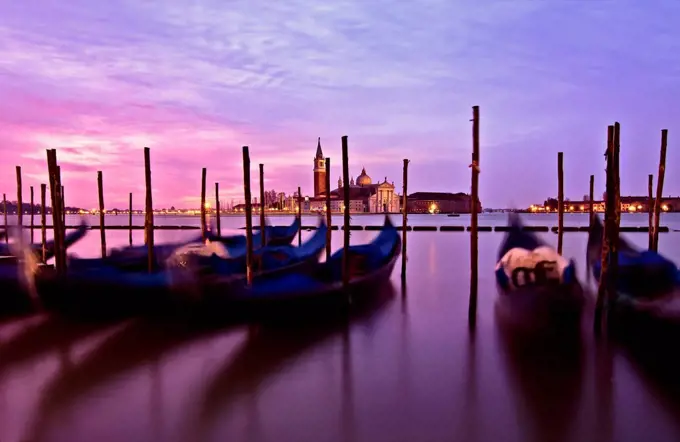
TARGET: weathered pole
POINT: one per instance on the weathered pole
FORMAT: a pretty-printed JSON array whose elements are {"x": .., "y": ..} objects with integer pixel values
[
  {"x": 130, "y": 220},
  {"x": 102, "y": 226},
  {"x": 148, "y": 211},
  {"x": 55, "y": 194},
  {"x": 249, "y": 221},
  {"x": 650, "y": 209},
  {"x": 300, "y": 216},
  {"x": 659, "y": 187},
  {"x": 263, "y": 240},
  {"x": 608, "y": 247},
  {"x": 62, "y": 205},
  {"x": 404, "y": 211},
  {"x": 472, "y": 308},
  {"x": 32, "y": 213},
  {"x": 4, "y": 209},
  {"x": 20, "y": 205},
  {"x": 560, "y": 201},
  {"x": 345, "y": 196},
  {"x": 203, "y": 216},
  {"x": 217, "y": 209},
  {"x": 329, "y": 218},
  {"x": 591, "y": 209},
  {"x": 43, "y": 221}
]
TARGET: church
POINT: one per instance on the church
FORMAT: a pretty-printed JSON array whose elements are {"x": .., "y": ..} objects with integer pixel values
[{"x": 365, "y": 195}]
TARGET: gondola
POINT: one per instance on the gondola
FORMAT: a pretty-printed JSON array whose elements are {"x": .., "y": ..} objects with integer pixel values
[
  {"x": 647, "y": 284},
  {"x": 370, "y": 265},
  {"x": 538, "y": 288},
  {"x": 95, "y": 288},
  {"x": 70, "y": 239},
  {"x": 135, "y": 258}
]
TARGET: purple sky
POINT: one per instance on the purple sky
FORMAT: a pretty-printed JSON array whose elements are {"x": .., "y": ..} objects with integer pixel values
[{"x": 196, "y": 80}]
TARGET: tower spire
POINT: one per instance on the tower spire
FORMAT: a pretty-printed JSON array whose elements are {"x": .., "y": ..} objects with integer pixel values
[{"x": 319, "y": 153}]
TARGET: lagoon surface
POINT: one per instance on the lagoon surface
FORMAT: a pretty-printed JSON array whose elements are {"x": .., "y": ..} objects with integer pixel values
[{"x": 407, "y": 369}]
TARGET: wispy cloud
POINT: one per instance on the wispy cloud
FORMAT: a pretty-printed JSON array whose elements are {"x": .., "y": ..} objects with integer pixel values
[{"x": 197, "y": 80}]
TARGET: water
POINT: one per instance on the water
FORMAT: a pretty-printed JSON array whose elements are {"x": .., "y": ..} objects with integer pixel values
[{"x": 406, "y": 370}]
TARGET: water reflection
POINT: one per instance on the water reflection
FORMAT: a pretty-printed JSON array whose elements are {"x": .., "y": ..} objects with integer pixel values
[
  {"x": 138, "y": 342},
  {"x": 545, "y": 369},
  {"x": 248, "y": 373}
]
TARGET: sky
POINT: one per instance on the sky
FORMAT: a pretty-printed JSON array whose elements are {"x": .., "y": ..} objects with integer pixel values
[{"x": 195, "y": 80}]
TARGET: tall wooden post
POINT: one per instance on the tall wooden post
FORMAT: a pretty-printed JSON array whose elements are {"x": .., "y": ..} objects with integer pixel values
[
  {"x": 560, "y": 201},
  {"x": 300, "y": 216},
  {"x": 591, "y": 209},
  {"x": 148, "y": 218},
  {"x": 404, "y": 211},
  {"x": 43, "y": 221},
  {"x": 472, "y": 308},
  {"x": 659, "y": 187},
  {"x": 345, "y": 196},
  {"x": 20, "y": 205},
  {"x": 55, "y": 193},
  {"x": 4, "y": 209},
  {"x": 62, "y": 205},
  {"x": 218, "y": 209},
  {"x": 263, "y": 240},
  {"x": 249, "y": 220},
  {"x": 329, "y": 218},
  {"x": 102, "y": 226},
  {"x": 130, "y": 220},
  {"x": 203, "y": 216},
  {"x": 608, "y": 263},
  {"x": 650, "y": 210},
  {"x": 32, "y": 214}
]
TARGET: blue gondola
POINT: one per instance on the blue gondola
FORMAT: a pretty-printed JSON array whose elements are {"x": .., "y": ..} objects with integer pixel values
[
  {"x": 94, "y": 287},
  {"x": 135, "y": 258},
  {"x": 370, "y": 265},
  {"x": 70, "y": 239},
  {"x": 647, "y": 283},
  {"x": 537, "y": 286}
]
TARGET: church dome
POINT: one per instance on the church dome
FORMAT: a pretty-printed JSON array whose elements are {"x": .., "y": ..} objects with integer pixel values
[{"x": 363, "y": 179}]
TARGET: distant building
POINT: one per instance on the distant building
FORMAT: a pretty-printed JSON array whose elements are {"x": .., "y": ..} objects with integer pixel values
[
  {"x": 364, "y": 195},
  {"x": 629, "y": 204},
  {"x": 440, "y": 202}
]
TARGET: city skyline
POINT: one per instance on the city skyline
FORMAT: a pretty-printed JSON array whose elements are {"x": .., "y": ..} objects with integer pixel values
[{"x": 195, "y": 82}]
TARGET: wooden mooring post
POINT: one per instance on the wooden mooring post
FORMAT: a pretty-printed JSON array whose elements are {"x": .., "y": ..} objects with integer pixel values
[
  {"x": 20, "y": 205},
  {"x": 609, "y": 258},
  {"x": 249, "y": 220},
  {"x": 32, "y": 213},
  {"x": 472, "y": 307},
  {"x": 218, "y": 210},
  {"x": 130, "y": 220},
  {"x": 57, "y": 220},
  {"x": 204, "y": 173},
  {"x": 560, "y": 201},
  {"x": 650, "y": 209},
  {"x": 329, "y": 218},
  {"x": 659, "y": 187},
  {"x": 591, "y": 196},
  {"x": 102, "y": 212},
  {"x": 263, "y": 240},
  {"x": 300, "y": 216},
  {"x": 345, "y": 209},
  {"x": 43, "y": 221},
  {"x": 62, "y": 204},
  {"x": 148, "y": 211},
  {"x": 404, "y": 212},
  {"x": 4, "y": 210}
]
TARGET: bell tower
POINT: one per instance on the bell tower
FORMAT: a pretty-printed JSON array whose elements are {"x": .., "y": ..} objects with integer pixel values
[{"x": 319, "y": 171}]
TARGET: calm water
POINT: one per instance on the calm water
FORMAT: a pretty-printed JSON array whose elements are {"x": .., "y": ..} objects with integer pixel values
[{"x": 405, "y": 370}]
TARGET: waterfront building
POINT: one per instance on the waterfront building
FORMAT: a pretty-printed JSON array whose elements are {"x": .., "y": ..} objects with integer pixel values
[
  {"x": 630, "y": 204},
  {"x": 440, "y": 202}
]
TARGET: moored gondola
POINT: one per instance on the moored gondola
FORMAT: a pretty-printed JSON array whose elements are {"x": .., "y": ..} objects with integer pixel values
[
  {"x": 370, "y": 265},
  {"x": 69, "y": 239},
  {"x": 97, "y": 289},
  {"x": 647, "y": 296},
  {"x": 538, "y": 288}
]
